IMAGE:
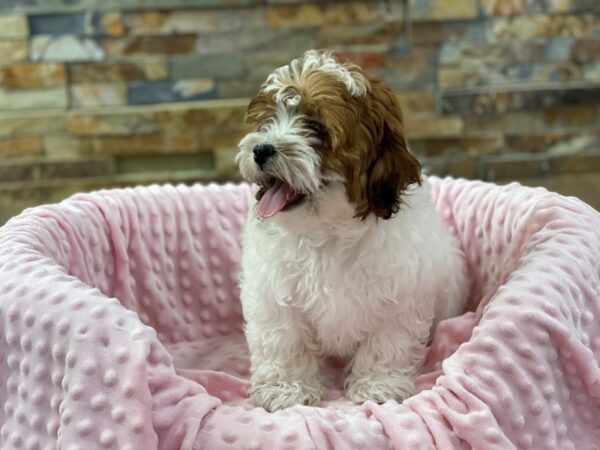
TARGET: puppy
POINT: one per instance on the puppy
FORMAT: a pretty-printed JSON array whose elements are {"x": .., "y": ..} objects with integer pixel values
[{"x": 344, "y": 253}]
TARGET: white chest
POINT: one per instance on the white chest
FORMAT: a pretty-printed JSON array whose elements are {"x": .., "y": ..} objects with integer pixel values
[{"x": 342, "y": 294}]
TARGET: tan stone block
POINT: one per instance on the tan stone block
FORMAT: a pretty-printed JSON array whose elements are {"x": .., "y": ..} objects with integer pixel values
[
  {"x": 323, "y": 14},
  {"x": 93, "y": 95},
  {"x": 343, "y": 36},
  {"x": 60, "y": 146},
  {"x": 147, "y": 68},
  {"x": 32, "y": 76},
  {"x": 268, "y": 58},
  {"x": 20, "y": 146},
  {"x": 529, "y": 27},
  {"x": 416, "y": 101},
  {"x": 33, "y": 99},
  {"x": 368, "y": 60},
  {"x": 513, "y": 166},
  {"x": 571, "y": 116},
  {"x": 419, "y": 126},
  {"x": 34, "y": 123},
  {"x": 438, "y": 33},
  {"x": 112, "y": 24},
  {"x": 581, "y": 143},
  {"x": 101, "y": 124},
  {"x": 446, "y": 10},
  {"x": 13, "y": 26},
  {"x": 475, "y": 146},
  {"x": 575, "y": 163},
  {"x": 13, "y": 51},
  {"x": 178, "y": 142},
  {"x": 150, "y": 45},
  {"x": 514, "y": 7},
  {"x": 156, "y": 68},
  {"x": 478, "y": 146},
  {"x": 488, "y": 75},
  {"x": 461, "y": 167},
  {"x": 591, "y": 72},
  {"x": 586, "y": 50},
  {"x": 177, "y": 117},
  {"x": 212, "y": 114},
  {"x": 477, "y": 54},
  {"x": 534, "y": 143},
  {"x": 452, "y": 77},
  {"x": 418, "y": 58},
  {"x": 152, "y": 23},
  {"x": 513, "y": 122},
  {"x": 383, "y": 32}
]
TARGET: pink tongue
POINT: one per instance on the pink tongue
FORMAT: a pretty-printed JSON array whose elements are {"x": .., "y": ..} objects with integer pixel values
[{"x": 275, "y": 199}]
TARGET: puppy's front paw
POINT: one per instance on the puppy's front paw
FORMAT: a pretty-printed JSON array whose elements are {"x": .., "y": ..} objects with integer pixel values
[
  {"x": 275, "y": 395},
  {"x": 379, "y": 387}
]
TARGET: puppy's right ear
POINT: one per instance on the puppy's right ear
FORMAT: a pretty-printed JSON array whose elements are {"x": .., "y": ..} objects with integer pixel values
[{"x": 260, "y": 107}]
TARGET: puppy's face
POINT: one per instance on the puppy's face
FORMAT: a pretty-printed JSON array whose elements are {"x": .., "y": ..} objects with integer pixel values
[{"x": 319, "y": 121}]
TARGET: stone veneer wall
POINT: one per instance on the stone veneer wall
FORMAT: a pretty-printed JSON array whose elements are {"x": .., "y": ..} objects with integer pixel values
[{"x": 119, "y": 92}]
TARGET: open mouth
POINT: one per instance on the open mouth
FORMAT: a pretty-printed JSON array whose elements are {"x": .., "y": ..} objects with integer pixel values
[{"x": 276, "y": 195}]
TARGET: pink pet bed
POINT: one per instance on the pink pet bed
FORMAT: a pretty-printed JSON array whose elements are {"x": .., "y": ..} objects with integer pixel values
[{"x": 121, "y": 328}]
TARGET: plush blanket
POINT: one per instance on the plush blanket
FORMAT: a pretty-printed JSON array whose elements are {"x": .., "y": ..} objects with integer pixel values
[{"x": 121, "y": 328}]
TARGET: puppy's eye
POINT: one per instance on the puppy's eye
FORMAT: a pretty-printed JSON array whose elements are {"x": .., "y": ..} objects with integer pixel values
[{"x": 316, "y": 126}]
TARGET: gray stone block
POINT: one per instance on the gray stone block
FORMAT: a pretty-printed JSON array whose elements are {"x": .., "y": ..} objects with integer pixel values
[
  {"x": 297, "y": 40},
  {"x": 238, "y": 89},
  {"x": 61, "y": 6},
  {"x": 592, "y": 6},
  {"x": 484, "y": 101},
  {"x": 559, "y": 49},
  {"x": 222, "y": 67},
  {"x": 65, "y": 48},
  {"x": 57, "y": 24},
  {"x": 423, "y": 77},
  {"x": 507, "y": 52},
  {"x": 144, "y": 93}
]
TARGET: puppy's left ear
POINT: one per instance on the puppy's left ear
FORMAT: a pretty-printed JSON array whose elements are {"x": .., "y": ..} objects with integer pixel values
[
  {"x": 260, "y": 106},
  {"x": 393, "y": 167}
]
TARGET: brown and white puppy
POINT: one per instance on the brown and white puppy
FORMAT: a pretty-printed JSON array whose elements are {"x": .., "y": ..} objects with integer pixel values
[{"x": 344, "y": 254}]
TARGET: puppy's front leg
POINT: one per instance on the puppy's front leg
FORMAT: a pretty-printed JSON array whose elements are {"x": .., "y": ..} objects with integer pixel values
[
  {"x": 385, "y": 366},
  {"x": 284, "y": 368}
]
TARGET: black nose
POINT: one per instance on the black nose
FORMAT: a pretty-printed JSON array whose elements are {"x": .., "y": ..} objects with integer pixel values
[{"x": 262, "y": 152}]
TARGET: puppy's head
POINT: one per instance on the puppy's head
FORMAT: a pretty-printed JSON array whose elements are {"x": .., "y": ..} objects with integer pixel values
[{"x": 319, "y": 121}]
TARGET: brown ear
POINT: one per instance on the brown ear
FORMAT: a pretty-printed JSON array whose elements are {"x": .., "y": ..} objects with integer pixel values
[
  {"x": 259, "y": 107},
  {"x": 392, "y": 167}
]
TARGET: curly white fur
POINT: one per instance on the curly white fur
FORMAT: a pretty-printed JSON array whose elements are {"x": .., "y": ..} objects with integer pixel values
[
  {"x": 318, "y": 282},
  {"x": 297, "y": 162},
  {"x": 356, "y": 83}
]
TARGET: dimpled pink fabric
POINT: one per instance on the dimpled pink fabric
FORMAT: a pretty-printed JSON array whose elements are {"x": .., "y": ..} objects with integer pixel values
[{"x": 122, "y": 328}]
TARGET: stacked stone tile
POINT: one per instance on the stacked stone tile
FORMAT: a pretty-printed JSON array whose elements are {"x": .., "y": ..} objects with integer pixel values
[{"x": 119, "y": 92}]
